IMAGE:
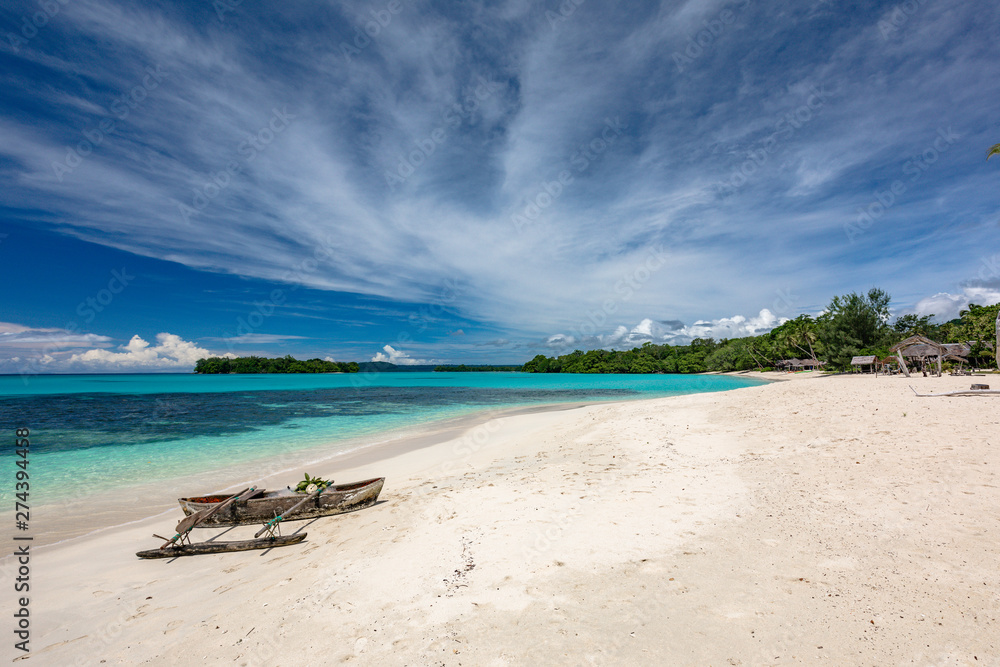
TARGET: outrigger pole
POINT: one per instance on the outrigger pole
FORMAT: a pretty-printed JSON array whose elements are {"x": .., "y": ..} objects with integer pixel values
[
  {"x": 269, "y": 526},
  {"x": 188, "y": 523}
]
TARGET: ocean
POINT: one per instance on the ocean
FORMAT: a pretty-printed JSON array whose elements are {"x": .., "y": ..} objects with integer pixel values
[{"x": 93, "y": 435}]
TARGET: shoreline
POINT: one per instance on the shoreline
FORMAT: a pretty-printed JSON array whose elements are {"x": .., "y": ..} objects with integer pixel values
[
  {"x": 846, "y": 522},
  {"x": 159, "y": 498},
  {"x": 78, "y": 515}
]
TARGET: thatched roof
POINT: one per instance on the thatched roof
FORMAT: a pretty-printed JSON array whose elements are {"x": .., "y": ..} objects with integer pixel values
[
  {"x": 922, "y": 351},
  {"x": 863, "y": 361},
  {"x": 947, "y": 349},
  {"x": 958, "y": 349},
  {"x": 918, "y": 346}
]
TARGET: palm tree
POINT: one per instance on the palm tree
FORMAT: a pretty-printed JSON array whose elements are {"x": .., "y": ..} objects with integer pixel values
[
  {"x": 995, "y": 150},
  {"x": 799, "y": 334}
]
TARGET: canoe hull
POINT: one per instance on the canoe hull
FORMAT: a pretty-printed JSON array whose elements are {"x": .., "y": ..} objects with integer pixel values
[
  {"x": 221, "y": 547},
  {"x": 337, "y": 499}
]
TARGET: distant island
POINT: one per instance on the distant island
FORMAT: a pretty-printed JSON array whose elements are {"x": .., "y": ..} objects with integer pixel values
[{"x": 286, "y": 364}]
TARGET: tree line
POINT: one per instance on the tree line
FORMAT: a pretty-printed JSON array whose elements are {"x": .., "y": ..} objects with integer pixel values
[
  {"x": 852, "y": 325},
  {"x": 286, "y": 364}
]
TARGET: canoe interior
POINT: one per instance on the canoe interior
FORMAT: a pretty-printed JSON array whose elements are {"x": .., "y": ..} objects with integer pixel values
[
  {"x": 337, "y": 499},
  {"x": 269, "y": 494}
]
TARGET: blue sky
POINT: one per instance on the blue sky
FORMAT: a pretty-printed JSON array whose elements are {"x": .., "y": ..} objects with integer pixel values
[{"x": 482, "y": 181}]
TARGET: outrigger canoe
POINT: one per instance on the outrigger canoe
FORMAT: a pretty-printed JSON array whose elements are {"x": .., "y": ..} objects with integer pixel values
[
  {"x": 180, "y": 544},
  {"x": 265, "y": 505}
]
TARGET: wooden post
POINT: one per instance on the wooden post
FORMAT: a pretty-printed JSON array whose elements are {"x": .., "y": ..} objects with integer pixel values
[
  {"x": 902, "y": 364},
  {"x": 940, "y": 354}
]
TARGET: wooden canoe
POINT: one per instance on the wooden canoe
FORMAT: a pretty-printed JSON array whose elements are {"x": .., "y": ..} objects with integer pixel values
[
  {"x": 336, "y": 499},
  {"x": 221, "y": 547}
]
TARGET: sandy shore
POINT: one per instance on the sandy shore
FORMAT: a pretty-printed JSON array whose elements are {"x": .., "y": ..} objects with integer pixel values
[{"x": 826, "y": 520}]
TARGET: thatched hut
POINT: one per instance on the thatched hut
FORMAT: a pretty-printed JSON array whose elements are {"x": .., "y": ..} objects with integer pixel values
[
  {"x": 920, "y": 349},
  {"x": 785, "y": 364},
  {"x": 864, "y": 363},
  {"x": 793, "y": 365}
]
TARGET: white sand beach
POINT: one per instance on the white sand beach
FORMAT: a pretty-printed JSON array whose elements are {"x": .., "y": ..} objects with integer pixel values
[{"x": 821, "y": 521}]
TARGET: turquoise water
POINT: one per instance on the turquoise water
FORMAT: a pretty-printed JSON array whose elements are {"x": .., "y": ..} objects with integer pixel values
[
  {"x": 153, "y": 383},
  {"x": 94, "y": 432}
]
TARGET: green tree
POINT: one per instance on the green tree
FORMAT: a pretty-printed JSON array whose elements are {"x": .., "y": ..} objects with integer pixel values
[
  {"x": 914, "y": 325},
  {"x": 804, "y": 333},
  {"x": 540, "y": 364},
  {"x": 978, "y": 326},
  {"x": 854, "y": 324},
  {"x": 643, "y": 363},
  {"x": 796, "y": 338}
]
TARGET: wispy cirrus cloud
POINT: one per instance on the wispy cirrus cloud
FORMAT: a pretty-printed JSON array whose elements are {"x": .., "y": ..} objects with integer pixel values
[
  {"x": 256, "y": 339},
  {"x": 20, "y": 337},
  {"x": 815, "y": 108}
]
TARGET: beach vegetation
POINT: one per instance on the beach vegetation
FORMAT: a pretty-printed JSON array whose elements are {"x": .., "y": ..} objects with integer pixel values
[
  {"x": 851, "y": 325},
  {"x": 978, "y": 326},
  {"x": 854, "y": 323}
]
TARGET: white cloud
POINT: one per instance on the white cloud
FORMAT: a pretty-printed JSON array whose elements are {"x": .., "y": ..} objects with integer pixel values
[
  {"x": 24, "y": 349},
  {"x": 398, "y": 357},
  {"x": 170, "y": 352},
  {"x": 737, "y": 326},
  {"x": 656, "y": 331},
  {"x": 644, "y": 328},
  {"x": 945, "y": 306}
]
